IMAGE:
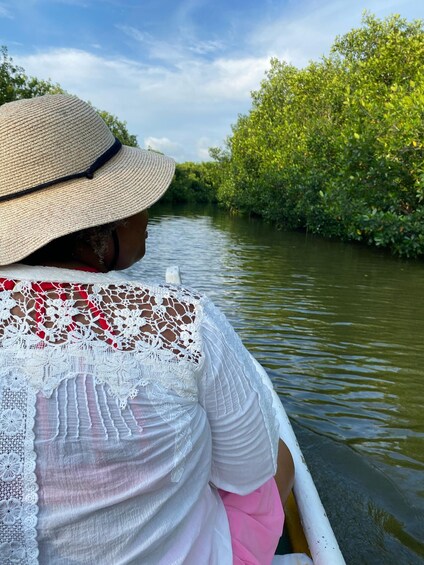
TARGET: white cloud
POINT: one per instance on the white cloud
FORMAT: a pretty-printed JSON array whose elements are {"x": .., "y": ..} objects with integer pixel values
[
  {"x": 155, "y": 49},
  {"x": 206, "y": 47},
  {"x": 308, "y": 31},
  {"x": 134, "y": 33},
  {"x": 194, "y": 100},
  {"x": 171, "y": 52},
  {"x": 203, "y": 146},
  {"x": 5, "y": 12},
  {"x": 165, "y": 145}
]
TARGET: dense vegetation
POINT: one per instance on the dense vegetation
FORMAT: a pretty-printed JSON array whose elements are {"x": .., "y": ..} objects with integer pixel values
[
  {"x": 336, "y": 148},
  {"x": 15, "y": 85},
  {"x": 193, "y": 182}
]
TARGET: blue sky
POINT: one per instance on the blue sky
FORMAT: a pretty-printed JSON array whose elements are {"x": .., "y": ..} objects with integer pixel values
[{"x": 179, "y": 73}]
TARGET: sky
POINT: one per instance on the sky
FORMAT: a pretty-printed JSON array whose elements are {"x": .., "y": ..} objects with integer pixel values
[{"x": 178, "y": 72}]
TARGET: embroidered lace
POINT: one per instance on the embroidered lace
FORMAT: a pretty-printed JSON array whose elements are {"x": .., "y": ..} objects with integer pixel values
[{"x": 124, "y": 335}]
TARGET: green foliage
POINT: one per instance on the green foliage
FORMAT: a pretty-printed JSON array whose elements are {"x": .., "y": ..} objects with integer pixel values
[
  {"x": 15, "y": 85},
  {"x": 119, "y": 129},
  {"x": 193, "y": 182},
  {"x": 337, "y": 147}
]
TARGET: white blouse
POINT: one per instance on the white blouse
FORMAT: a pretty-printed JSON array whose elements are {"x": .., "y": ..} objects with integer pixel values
[{"x": 122, "y": 407}]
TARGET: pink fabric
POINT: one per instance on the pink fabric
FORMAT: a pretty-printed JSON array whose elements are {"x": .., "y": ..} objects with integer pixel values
[{"x": 256, "y": 523}]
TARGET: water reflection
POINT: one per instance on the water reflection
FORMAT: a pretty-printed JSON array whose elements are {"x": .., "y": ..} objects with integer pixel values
[{"x": 340, "y": 330}]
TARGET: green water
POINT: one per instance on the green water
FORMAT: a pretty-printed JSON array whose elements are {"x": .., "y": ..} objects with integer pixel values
[{"x": 340, "y": 329}]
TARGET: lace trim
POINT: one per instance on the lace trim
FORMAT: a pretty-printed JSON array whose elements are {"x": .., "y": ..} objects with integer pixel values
[
  {"x": 18, "y": 486},
  {"x": 122, "y": 373}
]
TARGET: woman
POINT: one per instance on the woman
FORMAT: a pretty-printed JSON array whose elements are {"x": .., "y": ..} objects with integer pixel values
[{"x": 124, "y": 407}]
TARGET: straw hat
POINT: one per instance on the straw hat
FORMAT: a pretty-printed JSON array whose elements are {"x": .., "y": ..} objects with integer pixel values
[{"x": 61, "y": 170}]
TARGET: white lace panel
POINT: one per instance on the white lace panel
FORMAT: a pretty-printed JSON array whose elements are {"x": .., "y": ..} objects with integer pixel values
[{"x": 124, "y": 335}]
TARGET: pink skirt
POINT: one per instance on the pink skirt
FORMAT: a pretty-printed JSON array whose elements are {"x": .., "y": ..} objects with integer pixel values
[{"x": 256, "y": 523}]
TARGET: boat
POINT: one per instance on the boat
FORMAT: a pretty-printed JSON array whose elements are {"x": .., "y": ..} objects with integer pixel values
[{"x": 308, "y": 537}]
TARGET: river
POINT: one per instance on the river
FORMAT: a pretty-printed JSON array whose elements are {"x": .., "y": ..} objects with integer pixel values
[{"x": 340, "y": 330}]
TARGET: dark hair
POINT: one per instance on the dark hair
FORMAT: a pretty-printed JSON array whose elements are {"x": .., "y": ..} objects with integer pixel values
[{"x": 64, "y": 248}]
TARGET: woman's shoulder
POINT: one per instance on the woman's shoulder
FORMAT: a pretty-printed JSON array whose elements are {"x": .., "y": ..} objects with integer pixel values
[
  {"x": 112, "y": 280},
  {"x": 113, "y": 292},
  {"x": 39, "y": 273}
]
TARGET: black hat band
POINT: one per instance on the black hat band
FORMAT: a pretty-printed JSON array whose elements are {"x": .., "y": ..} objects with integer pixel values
[{"x": 88, "y": 173}]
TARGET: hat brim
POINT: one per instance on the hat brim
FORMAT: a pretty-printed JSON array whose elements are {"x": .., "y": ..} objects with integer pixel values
[{"x": 131, "y": 181}]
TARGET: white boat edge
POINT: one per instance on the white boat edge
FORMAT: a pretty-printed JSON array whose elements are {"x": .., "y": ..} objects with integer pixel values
[
  {"x": 319, "y": 534},
  {"x": 317, "y": 528}
]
